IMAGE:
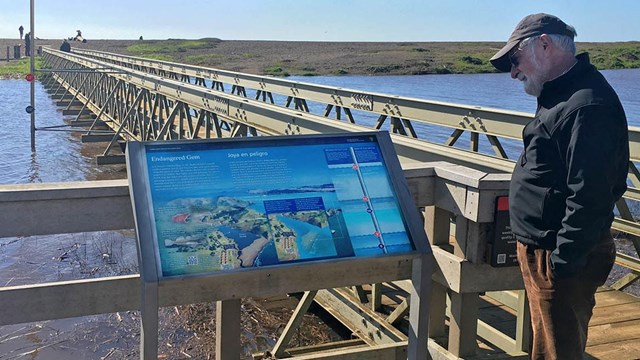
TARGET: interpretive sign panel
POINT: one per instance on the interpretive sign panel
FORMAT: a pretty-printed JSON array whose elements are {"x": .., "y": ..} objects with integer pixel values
[{"x": 224, "y": 204}]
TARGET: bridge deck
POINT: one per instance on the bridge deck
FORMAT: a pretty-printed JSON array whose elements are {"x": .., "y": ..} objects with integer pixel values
[{"x": 614, "y": 330}]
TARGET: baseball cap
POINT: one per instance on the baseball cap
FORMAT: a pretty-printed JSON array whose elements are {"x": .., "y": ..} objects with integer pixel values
[{"x": 531, "y": 25}]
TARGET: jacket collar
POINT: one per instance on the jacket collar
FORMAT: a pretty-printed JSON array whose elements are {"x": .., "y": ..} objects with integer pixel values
[{"x": 552, "y": 88}]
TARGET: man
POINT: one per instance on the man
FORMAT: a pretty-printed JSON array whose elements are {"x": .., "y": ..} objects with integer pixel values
[
  {"x": 20, "y": 29},
  {"x": 27, "y": 44},
  {"x": 65, "y": 46},
  {"x": 564, "y": 186}
]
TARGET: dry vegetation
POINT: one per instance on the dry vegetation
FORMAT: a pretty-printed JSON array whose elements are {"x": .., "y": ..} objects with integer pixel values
[{"x": 282, "y": 58}]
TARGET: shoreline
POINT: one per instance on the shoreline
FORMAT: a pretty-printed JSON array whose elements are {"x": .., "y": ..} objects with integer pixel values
[{"x": 310, "y": 58}]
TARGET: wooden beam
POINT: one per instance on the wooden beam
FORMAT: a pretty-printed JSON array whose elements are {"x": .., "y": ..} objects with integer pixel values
[
  {"x": 294, "y": 323},
  {"x": 365, "y": 323}
]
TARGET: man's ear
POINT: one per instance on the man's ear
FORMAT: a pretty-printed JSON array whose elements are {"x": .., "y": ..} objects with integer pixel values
[{"x": 545, "y": 41}]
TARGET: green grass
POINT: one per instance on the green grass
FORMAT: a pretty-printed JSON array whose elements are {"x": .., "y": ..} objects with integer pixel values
[
  {"x": 613, "y": 56},
  {"x": 18, "y": 68},
  {"x": 171, "y": 46},
  {"x": 275, "y": 70}
]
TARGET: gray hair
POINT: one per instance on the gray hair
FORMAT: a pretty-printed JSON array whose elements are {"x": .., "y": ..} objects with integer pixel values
[{"x": 563, "y": 42}]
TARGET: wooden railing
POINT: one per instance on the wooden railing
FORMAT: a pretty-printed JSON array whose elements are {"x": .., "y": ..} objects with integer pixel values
[{"x": 458, "y": 204}]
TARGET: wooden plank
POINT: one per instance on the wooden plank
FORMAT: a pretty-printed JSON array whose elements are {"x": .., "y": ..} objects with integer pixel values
[
  {"x": 509, "y": 297},
  {"x": 615, "y": 313},
  {"x": 59, "y": 208},
  {"x": 393, "y": 351},
  {"x": 496, "y": 337},
  {"x": 614, "y": 332},
  {"x": 305, "y": 350},
  {"x": 613, "y": 297},
  {"x": 629, "y": 349},
  {"x": 281, "y": 279},
  {"x": 29, "y": 303},
  {"x": 400, "y": 311},
  {"x": 462, "y": 276},
  {"x": 110, "y": 159}
]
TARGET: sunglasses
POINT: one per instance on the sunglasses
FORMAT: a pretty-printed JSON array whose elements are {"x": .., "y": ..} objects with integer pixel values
[{"x": 514, "y": 56}]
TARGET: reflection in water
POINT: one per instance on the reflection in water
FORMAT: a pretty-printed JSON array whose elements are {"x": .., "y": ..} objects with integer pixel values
[
  {"x": 60, "y": 156},
  {"x": 34, "y": 170}
]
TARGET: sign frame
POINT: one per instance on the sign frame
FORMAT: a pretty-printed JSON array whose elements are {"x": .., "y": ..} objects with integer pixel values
[{"x": 149, "y": 260}]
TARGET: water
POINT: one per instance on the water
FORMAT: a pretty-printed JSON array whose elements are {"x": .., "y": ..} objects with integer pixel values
[
  {"x": 487, "y": 90},
  {"x": 59, "y": 155}
]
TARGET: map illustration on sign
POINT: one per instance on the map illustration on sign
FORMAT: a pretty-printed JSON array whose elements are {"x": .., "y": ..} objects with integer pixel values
[{"x": 223, "y": 206}]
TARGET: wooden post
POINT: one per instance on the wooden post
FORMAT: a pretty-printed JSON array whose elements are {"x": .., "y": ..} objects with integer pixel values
[
  {"x": 417, "y": 348},
  {"x": 149, "y": 321},
  {"x": 228, "y": 329},
  {"x": 437, "y": 310},
  {"x": 523, "y": 323},
  {"x": 8, "y": 52},
  {"x": 376, "y": 296},
  {"x": 436, "y": 224},
  {"x": 463, "y": 326}
]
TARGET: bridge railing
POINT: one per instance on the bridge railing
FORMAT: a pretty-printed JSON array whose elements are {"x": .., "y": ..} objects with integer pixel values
[
  {"x": 152, "y": 97},
  {"x": 494, "y": 123}
]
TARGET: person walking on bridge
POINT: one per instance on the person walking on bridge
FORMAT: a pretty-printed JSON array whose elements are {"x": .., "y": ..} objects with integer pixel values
[
  {"x": 565, "y": 184},
  {"x": 65, "y": 46}
]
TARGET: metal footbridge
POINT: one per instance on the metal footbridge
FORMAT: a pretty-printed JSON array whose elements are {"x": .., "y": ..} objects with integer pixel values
[{"x": 116, "y": 98}]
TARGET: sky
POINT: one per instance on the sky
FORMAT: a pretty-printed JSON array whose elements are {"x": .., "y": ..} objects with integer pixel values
[{"x": 315, "y": 20}]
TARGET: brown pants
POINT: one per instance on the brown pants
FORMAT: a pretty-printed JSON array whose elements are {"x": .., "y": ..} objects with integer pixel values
[{"x": 561, "y": 308}]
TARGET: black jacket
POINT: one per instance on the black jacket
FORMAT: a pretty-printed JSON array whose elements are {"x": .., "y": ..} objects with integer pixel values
[{"x": 573, "y": 168}]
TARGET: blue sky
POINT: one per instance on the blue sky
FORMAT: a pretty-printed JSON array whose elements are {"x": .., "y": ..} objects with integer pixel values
[{"x": 315, "y": 20}]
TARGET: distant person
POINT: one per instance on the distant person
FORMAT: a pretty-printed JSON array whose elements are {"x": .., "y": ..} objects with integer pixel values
[
  {"x": 140, "y": 37},
  {"x": 27, "y": 44},
  {"x": 79, "y": 37},
  {"x": 20, "y": 29},
  {"x": 65, "y": 46},
  {"x": 564, "y": 187}
]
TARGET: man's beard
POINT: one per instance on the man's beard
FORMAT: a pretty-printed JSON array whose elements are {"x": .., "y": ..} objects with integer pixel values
[{"x": 534, "y": 82}]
